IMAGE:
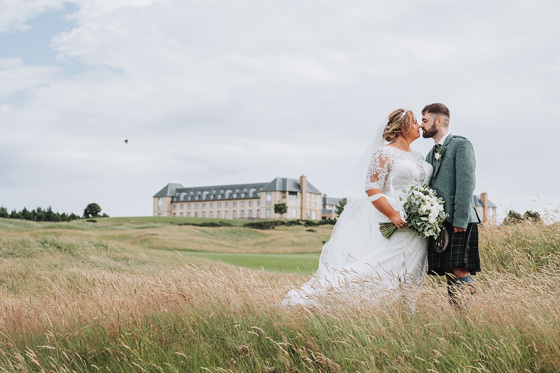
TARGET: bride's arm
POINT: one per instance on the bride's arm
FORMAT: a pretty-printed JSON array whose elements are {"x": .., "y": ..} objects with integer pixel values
[
  {"x": 381, "y": 204},
  {"x": 377, "y": 174}
]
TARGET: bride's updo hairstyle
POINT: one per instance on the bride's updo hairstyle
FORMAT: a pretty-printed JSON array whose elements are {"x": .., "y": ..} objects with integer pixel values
[{"x": 399, "y": 120}]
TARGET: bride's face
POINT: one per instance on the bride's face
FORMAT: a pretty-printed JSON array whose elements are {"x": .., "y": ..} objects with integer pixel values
[{"x": 414, "y": 131}]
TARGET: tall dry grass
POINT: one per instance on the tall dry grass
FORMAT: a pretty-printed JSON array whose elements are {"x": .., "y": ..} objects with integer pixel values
[{"x": 70, "y": 302}]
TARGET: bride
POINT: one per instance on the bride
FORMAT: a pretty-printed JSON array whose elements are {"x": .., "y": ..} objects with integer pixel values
[{"x": 358, "y": 264}]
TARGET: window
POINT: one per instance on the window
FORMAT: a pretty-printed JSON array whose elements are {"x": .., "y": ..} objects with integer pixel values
[
  {"x": 242, "y": 213},
  {"x": 181, "y": 215},
  {"x": 174, "y": 214},
  {"x": 159, "y": 214},
  {"x": 211, "y": 214},
  {"x": 258, "y": 203},
  {"x": 204, "y": 205},
  {"x": 196, "y": 214},
  {"x": 308, "y": 195},
  {"x": 189, "y": 206},
  {"x": 234, "y": 214},
  {"x": 234, "y": 204},
  {"x": 294, "y": 213},
  {"x": 219, "y": 214},
  {"x": 268, "y": 198},
  {"x": 250, "y": 203},
  {"x": 203, "y": 214},
  {"x": 219, "y": 204},
  {"x": 227, "y": 204},
  {"x": 211, "y": 205},
  {"x": 314, "y": 204},
  {"x": 196, "y": 205},
  {"x": 242, "y": 203},
  {"x": 307, "y": 213},
  {"x": 314, "y": 214},
  {"x": 258, "y": 214},
  {"x": 160, "y": 203},
  {"x": 226, "y": 214},
  {"x": 294, "y": 203},
  {"x": 174, "y": 207},
  {"x": 250, "y": 213},
  {"x": 268, "y": 214},
  {"x": 188, "y": 214},
  {"x": 308, "y": 203},
  {"x": 292, "y": 195},
  {"x": 182, "y": 206}
]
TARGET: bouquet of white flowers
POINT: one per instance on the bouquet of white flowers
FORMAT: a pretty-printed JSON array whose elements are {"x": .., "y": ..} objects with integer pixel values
[{"x": 424, "y": 213}]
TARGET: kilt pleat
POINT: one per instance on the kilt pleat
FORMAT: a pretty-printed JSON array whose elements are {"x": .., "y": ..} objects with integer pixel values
[{"x": 461, "y": 253}]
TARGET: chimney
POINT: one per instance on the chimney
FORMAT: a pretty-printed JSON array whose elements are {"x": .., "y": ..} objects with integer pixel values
[
  {"x": 303, "y": 186},
  {"x": 484, "y": 200}
]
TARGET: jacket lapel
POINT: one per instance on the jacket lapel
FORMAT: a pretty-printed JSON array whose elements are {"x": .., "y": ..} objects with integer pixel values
[{"x": 437, "y": 163}]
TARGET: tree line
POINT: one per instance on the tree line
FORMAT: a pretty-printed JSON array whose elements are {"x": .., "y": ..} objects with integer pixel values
[
  {"x": 92, "y": 210},
  {"x": 514, "y": 217}
]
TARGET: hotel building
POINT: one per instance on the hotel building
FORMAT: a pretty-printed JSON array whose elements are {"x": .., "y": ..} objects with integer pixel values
[{"x": 241, "y": 201}]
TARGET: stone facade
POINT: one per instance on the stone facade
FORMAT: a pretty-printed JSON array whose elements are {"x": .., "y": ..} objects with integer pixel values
[
  {"x": 329, "y": 207},
  {"x": 485, "y": 209},
  {"x": 241, "y": 201}
]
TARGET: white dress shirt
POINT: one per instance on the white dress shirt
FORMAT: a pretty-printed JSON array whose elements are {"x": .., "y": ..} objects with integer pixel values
[{"x": 442, "y": 140}]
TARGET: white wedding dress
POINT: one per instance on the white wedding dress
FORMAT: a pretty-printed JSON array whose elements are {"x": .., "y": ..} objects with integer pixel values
[{"x": 358, "y": 264}]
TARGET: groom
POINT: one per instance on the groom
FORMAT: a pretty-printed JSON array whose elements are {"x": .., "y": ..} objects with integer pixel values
[{"x": 453, "y": 179}]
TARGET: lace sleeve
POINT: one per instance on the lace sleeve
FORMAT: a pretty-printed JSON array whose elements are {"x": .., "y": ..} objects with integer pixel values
[{"x": 378, "y": 170}]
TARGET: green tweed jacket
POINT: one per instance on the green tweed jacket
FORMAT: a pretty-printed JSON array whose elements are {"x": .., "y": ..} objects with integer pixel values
[{"x": 454, "y": 179}]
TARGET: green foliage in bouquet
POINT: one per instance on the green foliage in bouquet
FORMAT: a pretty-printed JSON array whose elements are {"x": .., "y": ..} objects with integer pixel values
[{"x": 424, "y": 212}]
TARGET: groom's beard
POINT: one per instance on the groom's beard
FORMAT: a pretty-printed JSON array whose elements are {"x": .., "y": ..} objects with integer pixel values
[{"x": 429, "y": 133}]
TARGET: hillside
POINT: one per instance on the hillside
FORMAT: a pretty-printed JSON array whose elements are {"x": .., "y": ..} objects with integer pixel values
[{"x": 144, "y": 294}]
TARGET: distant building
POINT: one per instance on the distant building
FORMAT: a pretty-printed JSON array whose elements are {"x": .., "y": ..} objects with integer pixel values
[
  {"x": 486, "y": 210},
  {"x": 241, "y": 201},
  {"x": 329, "y": 207}
]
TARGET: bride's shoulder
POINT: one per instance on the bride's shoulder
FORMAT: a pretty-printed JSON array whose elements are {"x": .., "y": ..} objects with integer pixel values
[{"x": 382, "y": 150}]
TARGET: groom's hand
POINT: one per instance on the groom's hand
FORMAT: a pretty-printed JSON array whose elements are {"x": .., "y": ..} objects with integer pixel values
[{"x": 458, "y": 230}]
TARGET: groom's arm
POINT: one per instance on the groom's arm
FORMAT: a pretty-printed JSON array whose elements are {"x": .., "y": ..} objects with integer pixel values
[{"x": 465, "y": 165}]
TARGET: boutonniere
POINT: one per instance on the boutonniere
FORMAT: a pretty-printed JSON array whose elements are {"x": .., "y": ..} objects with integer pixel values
[{"x": 440, "y": 150}]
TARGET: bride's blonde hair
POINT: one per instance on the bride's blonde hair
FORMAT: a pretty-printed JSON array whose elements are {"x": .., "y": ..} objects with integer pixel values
[{"x": 399, "y": 123}]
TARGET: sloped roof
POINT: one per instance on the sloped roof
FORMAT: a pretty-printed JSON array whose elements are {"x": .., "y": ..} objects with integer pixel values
[
  {"x": 168, "y": 190},
  {"x": 478, "y": 202},
  {"x": 330, "y": 200},
  {"x": 285, "y": 184},
  {"x": 217, "y": 192},
  {"x": 231, "y": 191}
]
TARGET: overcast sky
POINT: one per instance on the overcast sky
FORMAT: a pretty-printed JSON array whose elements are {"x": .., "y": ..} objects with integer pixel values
[{"x": 220, "y": 92}]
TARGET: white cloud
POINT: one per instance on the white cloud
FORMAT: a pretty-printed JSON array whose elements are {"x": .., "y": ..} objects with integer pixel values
[
  {"x": 16, "y": 77},
  {"x": 235, "y": 91},
  {"x": 14, "y": 14}
]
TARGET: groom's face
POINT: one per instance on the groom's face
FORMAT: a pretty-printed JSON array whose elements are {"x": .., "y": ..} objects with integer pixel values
[{"x": 429, "y": 128}]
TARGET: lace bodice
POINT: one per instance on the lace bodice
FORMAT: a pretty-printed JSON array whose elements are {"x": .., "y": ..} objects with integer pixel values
[{"x": 392, "y": 169}]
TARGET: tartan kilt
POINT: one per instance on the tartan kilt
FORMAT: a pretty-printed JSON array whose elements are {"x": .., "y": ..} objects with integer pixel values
[{"x": 462, "y": 252}]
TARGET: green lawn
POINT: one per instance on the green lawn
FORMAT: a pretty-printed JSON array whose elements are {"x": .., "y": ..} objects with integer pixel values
[{"x": 305, "y": 263}]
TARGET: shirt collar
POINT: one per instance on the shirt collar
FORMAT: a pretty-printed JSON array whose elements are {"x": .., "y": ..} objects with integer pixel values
[{"x": 442, "y": 140}]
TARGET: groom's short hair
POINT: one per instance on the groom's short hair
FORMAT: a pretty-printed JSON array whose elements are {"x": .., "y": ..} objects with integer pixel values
[{"x": 437, "y": 110}]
